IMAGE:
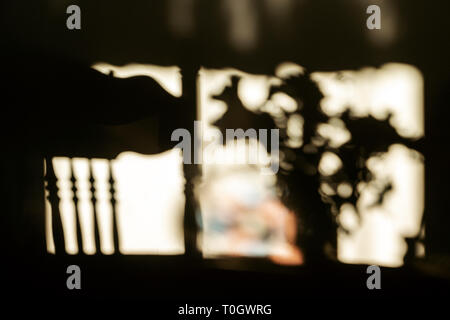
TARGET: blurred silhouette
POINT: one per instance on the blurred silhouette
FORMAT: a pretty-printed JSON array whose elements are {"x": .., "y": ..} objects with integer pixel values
[
  {"x": 84, "y": 113},
  {"x": 237, "y": 116},
  {"x": 55, "y": 105},
  {"x": 299, "y": 179}
]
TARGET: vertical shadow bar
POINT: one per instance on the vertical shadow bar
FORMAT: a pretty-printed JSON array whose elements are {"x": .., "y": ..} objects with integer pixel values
[
  {"x": 53, "y": 198},
  {"x": 94, "y": 208},
  {"x": 189, "y": 83},
  {"x": 77, "y": 211},
  {"x": 112, "y": 191}
]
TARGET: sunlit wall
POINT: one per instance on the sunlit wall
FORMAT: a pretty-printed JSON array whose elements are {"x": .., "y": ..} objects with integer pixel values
[{"x": 150, "y": 200}]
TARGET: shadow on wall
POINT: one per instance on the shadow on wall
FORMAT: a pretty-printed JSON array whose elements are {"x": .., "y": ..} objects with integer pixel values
[{"x": 346, "y": 163}]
